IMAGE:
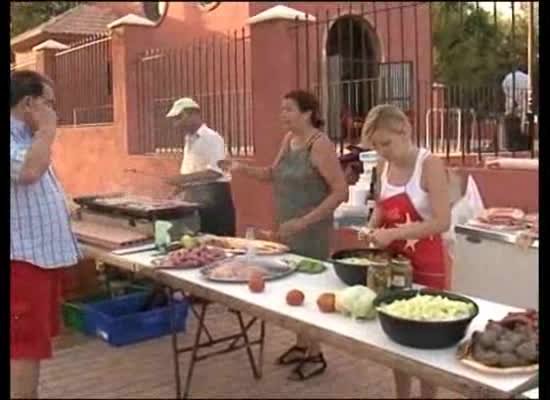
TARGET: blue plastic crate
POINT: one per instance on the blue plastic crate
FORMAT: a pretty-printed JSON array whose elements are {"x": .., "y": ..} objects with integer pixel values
[
  {"x": 74, "y": 314},
  {"x": 119, "y": 322}
]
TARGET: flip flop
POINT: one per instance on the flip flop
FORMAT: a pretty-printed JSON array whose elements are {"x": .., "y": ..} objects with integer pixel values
[
  {"x": 284, "y": 358},
  {"x": 299, "y": 375}
]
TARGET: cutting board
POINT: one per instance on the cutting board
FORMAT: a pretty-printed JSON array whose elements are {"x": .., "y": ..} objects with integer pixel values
[{"x": 110, "y": 237}]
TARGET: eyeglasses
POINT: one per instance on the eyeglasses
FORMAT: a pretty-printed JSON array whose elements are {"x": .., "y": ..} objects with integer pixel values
[{"x": 49, "y": 102}]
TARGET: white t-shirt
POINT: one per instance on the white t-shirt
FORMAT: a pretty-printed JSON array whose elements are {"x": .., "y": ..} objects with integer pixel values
[
  {"x": 202, "y": 151},
  {"x": 517, "y": 82}
]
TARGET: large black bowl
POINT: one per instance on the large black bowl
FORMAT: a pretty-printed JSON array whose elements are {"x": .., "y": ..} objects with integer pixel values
[
  {"x": 352, "y": 274},
  {"x": 423, "y": 334}
]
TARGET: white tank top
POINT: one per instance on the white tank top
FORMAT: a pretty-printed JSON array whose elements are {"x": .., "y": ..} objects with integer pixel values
[{"x": 419, "y": 197}]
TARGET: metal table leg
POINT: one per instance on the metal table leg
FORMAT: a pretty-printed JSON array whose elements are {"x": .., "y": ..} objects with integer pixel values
[
  {"x": 194, "y": 351},
  {"x": 257, "y": 373},
  {"x": 174, "y": 330},
  {"x": 210, "y": 341}
]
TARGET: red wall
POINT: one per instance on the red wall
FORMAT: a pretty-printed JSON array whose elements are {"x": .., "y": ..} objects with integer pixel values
[
  {"x": 92, "y": 160},
  {"x": 506, "y": 188},
  {"x": 185, "y": 22}
]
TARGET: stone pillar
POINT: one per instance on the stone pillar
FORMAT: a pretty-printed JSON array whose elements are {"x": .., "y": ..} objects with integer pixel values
[
  {"x": 45, "y": 57},
  {"x": 128, "y": 38},
  {"x": 273, "y": 49}
]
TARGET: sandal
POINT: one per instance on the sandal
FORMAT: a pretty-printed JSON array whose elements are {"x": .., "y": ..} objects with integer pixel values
[
  {"x": 286, "y": 359},
  {"x": 299, "y": 373}
]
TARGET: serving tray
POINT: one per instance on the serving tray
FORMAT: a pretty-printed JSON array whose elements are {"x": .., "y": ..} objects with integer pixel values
[
  {"x": 464, "y": 355},
  {"x": 275, "y": 269}
]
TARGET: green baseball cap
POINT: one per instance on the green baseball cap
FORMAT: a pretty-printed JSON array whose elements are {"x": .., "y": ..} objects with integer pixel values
[{"x": 182, "y": 104}]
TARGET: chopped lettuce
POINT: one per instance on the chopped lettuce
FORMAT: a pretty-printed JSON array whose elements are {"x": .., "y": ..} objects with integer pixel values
[{"x": 429, "y": 308}]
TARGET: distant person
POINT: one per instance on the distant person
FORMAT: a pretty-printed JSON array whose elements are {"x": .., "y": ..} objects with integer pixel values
[
  {"x": 204, "y": 148},
  {"x": 515, "y": 87},
  {"x": 41, "y": 240}
]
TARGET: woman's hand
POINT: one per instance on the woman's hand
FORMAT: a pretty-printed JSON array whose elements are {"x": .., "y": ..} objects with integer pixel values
[
  {"x": 229, "y": 165},
  {"x": 290, "y": 228},
  {"x": 382, "y": 238}
]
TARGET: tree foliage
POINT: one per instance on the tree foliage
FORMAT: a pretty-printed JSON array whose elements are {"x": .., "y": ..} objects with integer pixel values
[
  {"x": 25, "y": 15},
  {"x": 475, "y": 49}
]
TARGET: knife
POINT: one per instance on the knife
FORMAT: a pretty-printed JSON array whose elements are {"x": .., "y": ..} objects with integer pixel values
[{"x": 148, "y": 247}]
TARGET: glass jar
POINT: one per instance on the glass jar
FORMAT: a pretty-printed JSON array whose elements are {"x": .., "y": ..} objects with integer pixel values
[
  {"x": 401, "y": 273},
  {"x": 379, "y": 277}
]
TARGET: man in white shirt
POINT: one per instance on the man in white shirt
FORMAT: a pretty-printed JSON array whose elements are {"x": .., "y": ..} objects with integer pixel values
[
  {"x": 203, "y": 149},
  {"x": 515, "y": 86}
]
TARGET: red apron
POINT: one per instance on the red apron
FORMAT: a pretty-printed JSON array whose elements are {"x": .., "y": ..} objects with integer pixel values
[{"x": 429, "y": 257}]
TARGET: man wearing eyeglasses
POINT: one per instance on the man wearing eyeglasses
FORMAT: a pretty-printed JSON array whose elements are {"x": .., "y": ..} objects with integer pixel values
[
  {"x": 41, "y": 240},
  {"x": 203, "y": 149}
]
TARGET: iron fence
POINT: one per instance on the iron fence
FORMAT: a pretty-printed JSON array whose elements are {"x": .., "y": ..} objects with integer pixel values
[
  {"x": 216, "y": 73},
  {"x": 370, "y": 53},
  {"x": 84, "y": 82}
]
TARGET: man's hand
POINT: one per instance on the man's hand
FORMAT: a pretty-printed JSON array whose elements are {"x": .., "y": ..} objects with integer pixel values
[
  {"x": 46, "y": 119},
  {"x": 229, "y": 165}
]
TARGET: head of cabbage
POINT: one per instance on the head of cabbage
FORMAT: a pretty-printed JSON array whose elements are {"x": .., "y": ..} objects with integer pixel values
[{"x": 356, "y": 301}]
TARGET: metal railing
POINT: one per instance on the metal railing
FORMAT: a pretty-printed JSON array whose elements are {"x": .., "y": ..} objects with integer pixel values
[
  {"x": 357, "y": 56},
  {"x": 216, "y": 73},
  {"x": 84, "y": 82}
]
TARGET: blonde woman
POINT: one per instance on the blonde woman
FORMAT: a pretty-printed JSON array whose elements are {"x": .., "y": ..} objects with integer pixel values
[{"x": 413, "y": 207}]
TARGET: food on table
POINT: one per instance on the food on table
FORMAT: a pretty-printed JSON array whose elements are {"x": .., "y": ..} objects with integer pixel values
[
  {"x": 401, "y": 273},
  {"x": 189, "y": 242},
  {"x": 238, "y": 270},
  {"x": 256, "y": 283},
  {"x": 503, "y": 216},
  {"x": 509, "y": 343},
  {"x": 526, "y": 238},
  {"x": 522, "y": 320},
  {"x": 325, "y": 302},
  {"x": 241, "y": 245},
  {"x": 366, "y": 260},
  {"x": 295, "y": 298},
  {"x": 379, "y": 277},
  {"x": 192, "y": 258},
  {"x": 532, "y": 219},
  {"x": 429, "y": 308},
  {"x": 356, "y": 301},
  {"x": 241, "y": 268},
  {"x": 532, "y": 224},
  {"x": 355, "y": 260},
  {"x": 309, "y": 266}
]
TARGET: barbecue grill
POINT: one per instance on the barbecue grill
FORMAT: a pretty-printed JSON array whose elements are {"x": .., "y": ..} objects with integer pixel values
[{"x": 120, "y": 220}]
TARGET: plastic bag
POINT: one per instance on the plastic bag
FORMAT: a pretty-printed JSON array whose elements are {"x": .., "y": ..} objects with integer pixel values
[
  {"x": 162, "y": 234},
  {"x": 469, "y": 206},
  {"x": 473, "y": 198}
]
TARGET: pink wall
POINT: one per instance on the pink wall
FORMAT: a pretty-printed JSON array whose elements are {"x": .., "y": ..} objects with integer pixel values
[
  {"x": 185, "y": 22},
  {"x": 506, "y": 188},
  {"x": 92, "y": 160}
]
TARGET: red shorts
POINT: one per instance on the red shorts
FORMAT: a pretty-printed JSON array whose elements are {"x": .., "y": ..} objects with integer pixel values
[{"x": 35, "y": 295}]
